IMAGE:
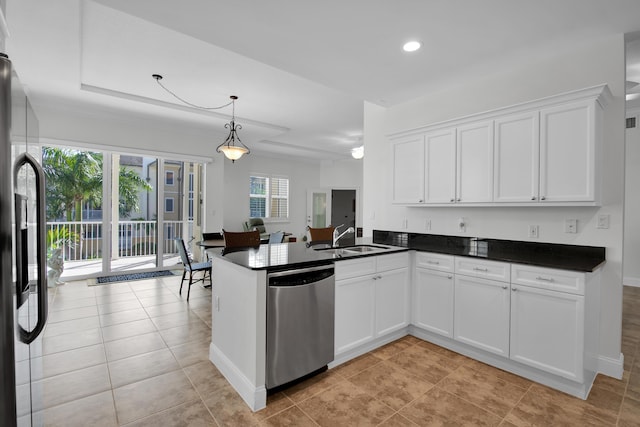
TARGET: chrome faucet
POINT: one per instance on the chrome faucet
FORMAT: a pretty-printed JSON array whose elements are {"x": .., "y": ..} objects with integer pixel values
[{"x": 337, "y": 236}]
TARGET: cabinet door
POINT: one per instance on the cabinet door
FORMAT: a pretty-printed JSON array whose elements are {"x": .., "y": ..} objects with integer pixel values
[
  {"x": 547, "y": 331},
  {"x": 408, "y": 170},
  {"x": 567, "y": 152},
  {"x": 354, "y": 317},
  {"x": 392, "y": 301},
  {"x": 474, "y": 172},
  {"x": 517, "y": 158},
  {"x": 440, "y": 152},
  {"x": 481, "y": 314},
  {"x": 433, "y": 301}
]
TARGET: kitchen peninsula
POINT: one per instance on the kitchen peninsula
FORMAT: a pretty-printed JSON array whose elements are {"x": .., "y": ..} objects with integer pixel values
[{"x": 529, "y": 308}]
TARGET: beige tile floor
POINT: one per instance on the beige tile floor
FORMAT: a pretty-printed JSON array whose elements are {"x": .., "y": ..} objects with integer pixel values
[{"x": 135, "y": 354}]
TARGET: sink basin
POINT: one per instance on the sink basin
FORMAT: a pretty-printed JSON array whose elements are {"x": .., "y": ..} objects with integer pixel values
[
  {"x": 364, "y": 248},
  {"x": 352, "y": 250}
]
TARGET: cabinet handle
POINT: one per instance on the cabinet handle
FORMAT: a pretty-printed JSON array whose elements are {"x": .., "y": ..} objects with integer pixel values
[
  {"x": 449, "y": 277},
  {"x": 533, "y": 197},
  {"x": 459, "y": 199},
  {"x": 543, "y": 198},
  {"x": 433, "y": 262},
  {"x": 545, "y": 279},
  {"x": 420, "y": 201},
  {"x": 453, "y": 200},
  {"x": 504, "y": 287},
  {"x": 514, "y": 289},
  {"x": 480, "y": 269}
]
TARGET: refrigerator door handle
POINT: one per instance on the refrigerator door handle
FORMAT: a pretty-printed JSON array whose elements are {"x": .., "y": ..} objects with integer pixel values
[{"x": 41, "y": 251}]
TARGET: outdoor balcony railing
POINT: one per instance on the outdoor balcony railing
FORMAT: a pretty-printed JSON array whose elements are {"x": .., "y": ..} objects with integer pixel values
[{"x": 135, "y": 238}]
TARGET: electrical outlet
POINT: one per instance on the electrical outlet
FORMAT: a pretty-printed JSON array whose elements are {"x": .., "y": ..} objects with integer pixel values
[
  {"x": 570, "y": 225},
  {"x": 462, "y": 225},
  {"x": 534, "y": 231},
  {"x": 427, "y": 224},
  {"x": 603, "y": 221}
]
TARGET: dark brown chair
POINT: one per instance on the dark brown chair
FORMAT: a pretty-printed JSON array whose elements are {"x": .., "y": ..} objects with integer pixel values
[
  {"x": 191, "y": 267},
  {"x": 246, "y": 239},
  {"x": 321, "y": 235}
]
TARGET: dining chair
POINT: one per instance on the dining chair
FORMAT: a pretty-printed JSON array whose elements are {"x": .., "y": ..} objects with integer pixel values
[
  {"x": 191, "y": 267},
  {"x": 321, "y": 235},
  {"x": 277, "y": 237},
  {"x": 211, "y": 236},
  {"x": 242, "y": 239}
]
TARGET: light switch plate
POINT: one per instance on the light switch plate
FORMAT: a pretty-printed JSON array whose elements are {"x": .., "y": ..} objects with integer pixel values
[
  {"x": 570, "y": 225},
  {"x": 534, "y": 231},
  {"x": 603, "y": 221}
]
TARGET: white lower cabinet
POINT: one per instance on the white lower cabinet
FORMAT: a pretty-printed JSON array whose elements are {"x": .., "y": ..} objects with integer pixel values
[
  {"x": 433, "y": 301},
  {"x": 547, "y": 330},
  {"x": 481, "y": 314},
  {"x": 392, "y": 292},
  {"x": 372, "y": 299},
  {"x": 355, "y": 321}
]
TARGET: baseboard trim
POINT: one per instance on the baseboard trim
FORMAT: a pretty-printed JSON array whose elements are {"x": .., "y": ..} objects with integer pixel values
[
  {"x": 631, "y": 281},
  {"x": 255, "y": 397},
  {"x": 611, "y": 367}
]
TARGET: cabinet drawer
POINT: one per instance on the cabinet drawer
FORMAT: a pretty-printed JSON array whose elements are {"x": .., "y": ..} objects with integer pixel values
[
  {"x": 434, "y": 261},
  {"x": 355, "y": 267},
  {"x": 548, "y": 278},
  {"x": 392, "y": 261},
  {"x": 494, "y": 270}
]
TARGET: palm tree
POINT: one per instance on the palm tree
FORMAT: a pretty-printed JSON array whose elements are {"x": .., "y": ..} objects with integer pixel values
[{"x": 75, "y": 178}]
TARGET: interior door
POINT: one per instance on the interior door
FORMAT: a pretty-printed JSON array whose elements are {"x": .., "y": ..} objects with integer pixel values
[{"x": 319, "y": 207}]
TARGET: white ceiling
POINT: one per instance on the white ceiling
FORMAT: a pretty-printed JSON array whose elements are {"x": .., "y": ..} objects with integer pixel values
[{"x": 301, "y": 69}]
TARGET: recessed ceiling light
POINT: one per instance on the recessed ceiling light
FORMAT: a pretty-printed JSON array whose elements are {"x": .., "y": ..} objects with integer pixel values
[{"x": 411, "y": 46}]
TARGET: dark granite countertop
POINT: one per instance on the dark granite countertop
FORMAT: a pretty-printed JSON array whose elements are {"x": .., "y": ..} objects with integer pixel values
[
  {"x": 551, "y": 255},
  {"x": 286, "y": 256}
]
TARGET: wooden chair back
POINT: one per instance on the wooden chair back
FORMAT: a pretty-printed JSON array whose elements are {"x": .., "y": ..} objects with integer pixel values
[
  {"x": 321, "y": 234},
  {"x": 243, "y": 239}
]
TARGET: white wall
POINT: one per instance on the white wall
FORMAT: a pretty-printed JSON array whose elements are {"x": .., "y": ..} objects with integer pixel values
[
  {"x": 302, "y": 175},
  {"x": 593, "y": 63},
  {"x": 632, "y": 200}
]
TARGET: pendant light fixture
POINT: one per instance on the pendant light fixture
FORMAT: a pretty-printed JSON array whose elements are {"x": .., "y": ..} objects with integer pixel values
[{"x": 229, "y": 148}]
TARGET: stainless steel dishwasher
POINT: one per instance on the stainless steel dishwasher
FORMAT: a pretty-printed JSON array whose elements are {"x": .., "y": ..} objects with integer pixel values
[{"x": 300, "y": 323}]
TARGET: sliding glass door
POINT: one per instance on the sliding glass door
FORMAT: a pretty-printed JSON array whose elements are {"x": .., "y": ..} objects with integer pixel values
[{"x": 112, "y": 212}]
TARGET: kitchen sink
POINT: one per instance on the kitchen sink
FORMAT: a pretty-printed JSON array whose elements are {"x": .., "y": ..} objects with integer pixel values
[
  {"x": 364, "y": 248},
  {"x": 353, "y": 250}
]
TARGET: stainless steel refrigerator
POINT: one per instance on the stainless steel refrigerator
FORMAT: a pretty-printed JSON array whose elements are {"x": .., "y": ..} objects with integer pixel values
[{"x": 23, "y": 270}]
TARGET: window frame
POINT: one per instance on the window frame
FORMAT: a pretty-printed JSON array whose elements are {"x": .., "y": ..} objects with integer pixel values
[
  {"x": 268, "y": 196},
  {"x": 166, "y": 179},
  {"x": 172, "y": 200}
]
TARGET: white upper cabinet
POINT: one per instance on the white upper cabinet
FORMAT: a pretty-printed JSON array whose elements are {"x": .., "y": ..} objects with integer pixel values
[
  {"x": 474, "y": 144},
  {"x": 516, "y": 158},
  {"x": 568, "y": 153},
  {"x": 408, "y": 166},
  {"x": 440, "y": 170},
  {"x": 543, "y": 152}
]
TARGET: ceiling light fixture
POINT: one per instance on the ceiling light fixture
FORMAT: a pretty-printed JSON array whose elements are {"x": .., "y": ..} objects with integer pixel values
[
  {"x": 411, "y": 46},
  {"x": 229, "y": 148},
  {"x": 358, "y": 152}
]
